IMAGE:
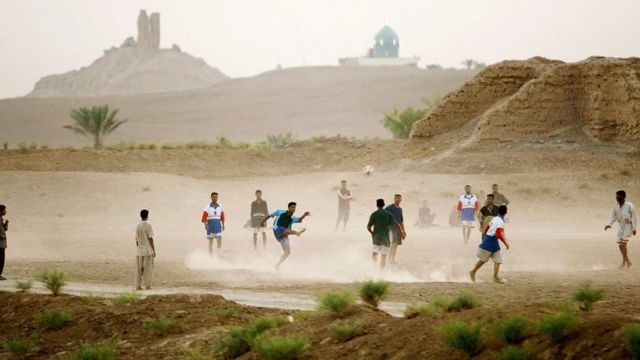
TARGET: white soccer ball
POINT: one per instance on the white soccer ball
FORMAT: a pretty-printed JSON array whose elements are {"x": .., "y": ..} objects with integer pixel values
[{"x": 367, "y": 170}]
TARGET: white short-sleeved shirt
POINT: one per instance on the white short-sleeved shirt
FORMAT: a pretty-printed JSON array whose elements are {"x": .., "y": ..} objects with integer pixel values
[{"x": 144, "y": 231}]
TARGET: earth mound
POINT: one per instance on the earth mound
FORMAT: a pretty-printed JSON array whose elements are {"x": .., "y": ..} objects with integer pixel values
[{"x": 540, "y": 98}]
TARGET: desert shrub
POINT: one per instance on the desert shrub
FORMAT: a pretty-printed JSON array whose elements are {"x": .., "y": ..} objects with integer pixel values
[
  {"x": 463, "y": 301},
  {"x": 335, "y": 301},
  {"x": 33, "y": 146},
  {"x": 89, "y": 351},
  {"x": 44, "y": 147},
  {"x": 319, "y": 138},
  {"x": 422, "y": 309},
  {"x": 631, "y": 336},
  {"x": 223, "y": 314},
  {"x": 557, "y": 327},
  {"x": 280, "y": 347},
  {"x": 196, "y": 353},
  {"x": 242, "y": 145},
  {"x": 513, "y": 330},
  {"x": 128, "y": 298},
  {"x": 587, "y": 296},
  {"x": 373, "y": 292},
  {"x": 304, "y": 315},
  {"x": 162, "y": 325},
  {"x": 170, "y": 146},
  {"x": 93, "y": 297},
  {"x": 20, "y": 347},
  {"x": 512, "y": 352},
  {"x": 223, "y": 142},
  {"x": 346, "y": 332},
  {"x": 198, "y": 145},
  {"x": 54, "y": 319},
  {"x": 282, "y": 140},
  {"x": 53, "y": 281},
  {"x": 23, "y": 147},
  {"x": 462, "y": 336},
  {"x": 241, "y": 339},
  {"x": 24, "y": 285}
]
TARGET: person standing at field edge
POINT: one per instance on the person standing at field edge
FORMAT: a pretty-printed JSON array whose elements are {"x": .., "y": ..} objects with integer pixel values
[
  {"x": 4, "y": 227},
  {"x": 146, "y": 252}
]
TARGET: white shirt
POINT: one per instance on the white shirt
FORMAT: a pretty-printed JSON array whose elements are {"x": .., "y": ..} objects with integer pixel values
[
  {"x": 625, "y": 214},
  {"x": 143, "y": 233},
  {"x": 213, "y": 213}
]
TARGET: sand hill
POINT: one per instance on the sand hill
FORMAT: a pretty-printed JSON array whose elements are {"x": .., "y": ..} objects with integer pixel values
[
  {"x": 135, "y": 67},
  {"x": 540, "y": 98}
]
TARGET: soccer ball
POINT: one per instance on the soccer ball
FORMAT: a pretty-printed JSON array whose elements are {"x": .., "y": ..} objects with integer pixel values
[{"x": 367, "y": 170}]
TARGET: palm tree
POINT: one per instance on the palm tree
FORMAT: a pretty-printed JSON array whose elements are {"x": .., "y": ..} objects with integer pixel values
[{"x": 96, "y": 122}]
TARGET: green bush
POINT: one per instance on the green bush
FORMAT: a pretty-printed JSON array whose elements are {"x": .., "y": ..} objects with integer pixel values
[
  {"x": 198, "y": 145},
  {"x": 21, "y": 347},
  {"x": 631, "y": 336},
  {"x": 241, "y": 339},
  {"x": 24, "y": 285},
  {"x": 128, "y": 298},
  {"x": 557, "y": 327},
  {"x": 422, "y": 309},
  {"x": 23, "y": 147},
  {"x": 587, "y": 296},
  {"x": 54, "y": 281},
  {"x": 280, "y": 347},
  {"x": 373, "y": 292},
  {"x": 223, "y": 314},
  {"x": 462, "y": 336},
  {"x": 346, "y": 332},
  {"x": 334, "y": 301},
  {"x": 54, "y": 319},
  {"x": 196, "y": 353},
  {"x": 94, "y": 352},
  {"x": 44, "y": 147},
  {"x": 163, "y": 325},
  {"x": 463, "y": 301},
  {"x": 401, "y": 123},
  {"x": 512, "y": 352},
  {"x": 282, "y": 140},
  {"x": 513, "y": 330}
]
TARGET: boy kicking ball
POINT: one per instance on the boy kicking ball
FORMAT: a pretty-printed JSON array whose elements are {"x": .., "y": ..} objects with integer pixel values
[
  {"x": 284, "y": 219},
  {"x": 490, "y": 248}
]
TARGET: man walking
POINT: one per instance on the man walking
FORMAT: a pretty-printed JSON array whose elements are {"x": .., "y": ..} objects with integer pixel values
[
  {"x": 213, "y": 220},
  {"x": 499, "y": 198},
  {"x": 146, "y": 252},
  {"x": 4, "y": 227},
  {"x": 468, "y": 207},
  {"x": 625, "y": 214},
  {"x": 284, "y": 220},
  {"x": 344, "y": 204},
  {"x": 380, "y": 224},
  {"x": 397, "y": 232},
  {"x": 487, "y": 213},
  {"x": 259, "y": 211},
  {"x": 490, "y": 247}
]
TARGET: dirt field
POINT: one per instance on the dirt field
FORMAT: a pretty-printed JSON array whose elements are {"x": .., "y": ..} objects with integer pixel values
[{"x": 76, "y": 211}]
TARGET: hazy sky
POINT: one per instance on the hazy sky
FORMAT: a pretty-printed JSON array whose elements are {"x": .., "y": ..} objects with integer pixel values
[{"x": 246, "y": 37}]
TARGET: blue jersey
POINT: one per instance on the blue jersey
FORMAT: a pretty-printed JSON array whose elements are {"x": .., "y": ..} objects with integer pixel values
[{"x": 282, "y": 218}]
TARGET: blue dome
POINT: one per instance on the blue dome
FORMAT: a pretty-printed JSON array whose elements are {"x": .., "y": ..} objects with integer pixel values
[{"x": 386, "y": 43}]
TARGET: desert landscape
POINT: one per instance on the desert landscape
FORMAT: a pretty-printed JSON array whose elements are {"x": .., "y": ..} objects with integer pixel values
[{"x": 559, "y": 137}]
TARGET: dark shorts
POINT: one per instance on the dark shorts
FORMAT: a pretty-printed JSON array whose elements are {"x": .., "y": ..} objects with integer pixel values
[
  {"x": 381, "y": 240},
  {"x": 343, "y": 214},
  {"x": 395, "y": 236}
]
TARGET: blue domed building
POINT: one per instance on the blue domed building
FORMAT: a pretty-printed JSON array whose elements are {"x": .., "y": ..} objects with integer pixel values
[{"x": 385, "y": 51}]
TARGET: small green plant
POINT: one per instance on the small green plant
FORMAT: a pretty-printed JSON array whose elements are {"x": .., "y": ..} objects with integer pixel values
[
  {"x": 421, "y": 309},
  {"x": 197, "y": 353},
  {"x": 93, "y": 297},
  {"x": 20, "y": 347},
  {"x": 240, "y": 339},
  {"x": 463, "y": 301},
  {"x": 373, "y": 292},
  {"x": 280, "y": 347},
  {"x": 338, "y": 302},
  {"x": 128, "y": 298},
  {"x": 513, "y": 330},
  {"x": 33, "y": 146},
  {"x": 631, "y": 336},
  {"x": 223, "y": 142},
  {"x": 23, "y": 147},
  {"x": 24, "y": 286},
  {"x": 54, "y": 319},
  {"x": 304, "y": 315},
  {"x": 557, "y": 327},
  {"x": 44, "y": 147},
  {"x": 223, "y": 314},
  {"x": 281, "y": 140},
  {"x": 462, "y": 336},
  {"x": 198, "y": 145},
  {"x": 89, "y": 351},
  {"x": 162, "y": 325},
  {"x": 346, "y": 332},
  {"x": 401, "y": 123},
  {"x": 54, "y": 281},
  {"x": 512, "y": 352},
  {"x": 587, "y": 296}
]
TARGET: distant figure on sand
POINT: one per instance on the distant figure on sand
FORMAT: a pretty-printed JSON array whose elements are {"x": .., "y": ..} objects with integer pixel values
[
  {"x": 490, "y": 248},
  {"x": 625, "y": 214},
  {"x": 4, "y": 227},
  {"x": 425, "y": 216},
  {"x": 397, "y": 232},
  {"x": 499, "y": 198},
  {"x": 344, "y": 205},
  {"x": 380, "y": 224},
  {"x": 259, "y": 211},
  {"x": 468, "y": 207},
  {"x": 454, "y": 217},
  {"x": 213, "y": 220},
  {"x": 487, "y": 213},
  {"x": 282, "y": 223},
  {"x": 146, "y": 252}
]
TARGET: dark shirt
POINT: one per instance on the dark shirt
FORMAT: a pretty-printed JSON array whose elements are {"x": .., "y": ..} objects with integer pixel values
[
  {"x": 381, "y": 221},
  {"x": 3, "y": 235},
  {"x": 486, "y": 215},
  {"x": 396, "y": 212},
  {"x": 285, "y": 220}
]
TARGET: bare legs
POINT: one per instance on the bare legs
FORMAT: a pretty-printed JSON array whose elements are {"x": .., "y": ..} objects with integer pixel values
[
  {"x": 392, "y": 253},
  {"x": 264, "y": 241},
  {"x": 383, "y": 260},
  {"x": 496, "y": 272},
  {"x": 625, "y": 256},
  {"x": 283, "y": 257},
  {"x": 466, "y": 233},
  {"x": 287, "y": 250},
  {"x": 218, "y": 246}
]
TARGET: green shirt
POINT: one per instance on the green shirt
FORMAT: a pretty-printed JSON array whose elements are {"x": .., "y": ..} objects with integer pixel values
[{"x": 381, "y": 220}]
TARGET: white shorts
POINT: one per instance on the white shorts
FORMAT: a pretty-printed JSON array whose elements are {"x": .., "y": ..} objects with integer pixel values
[
  {"x": 380, "y": 249},
  {"x": 468, "y": 223},
  {"x": 625, "y": 231},
  {"x": 260, "y": 229},
  {"x": 212, "y": 236},
  {"x": 485, "y": 255}
]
